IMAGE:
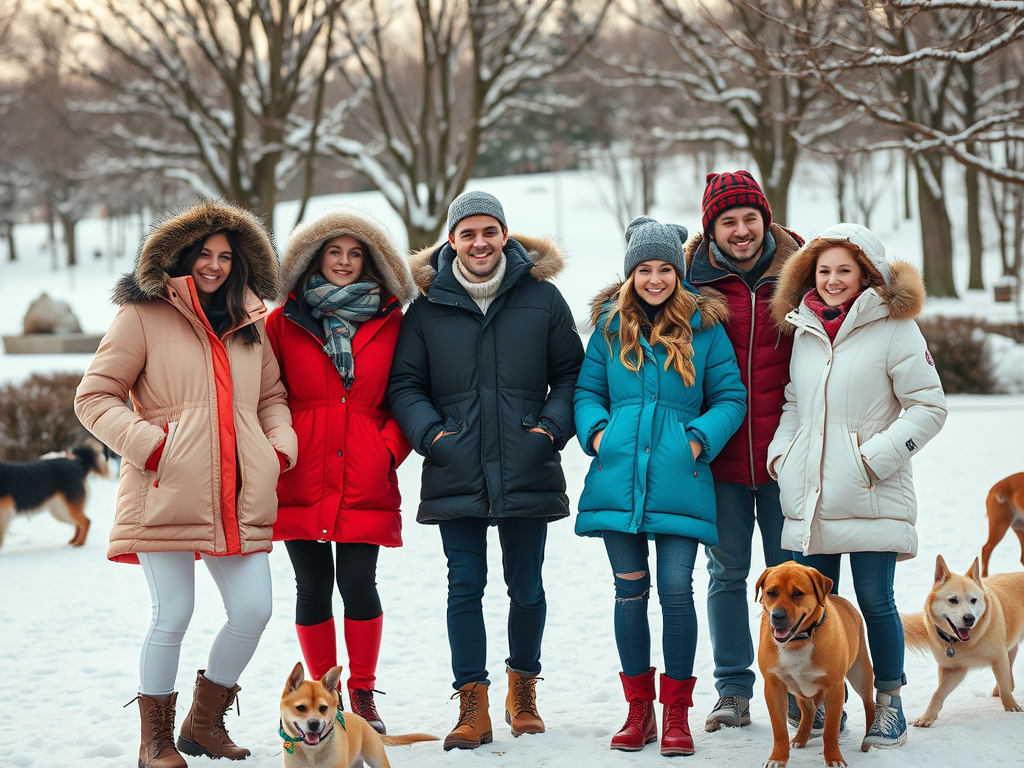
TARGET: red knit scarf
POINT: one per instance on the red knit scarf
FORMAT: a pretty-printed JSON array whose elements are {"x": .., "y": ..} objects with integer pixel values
[{"x": 831, "y": 317}]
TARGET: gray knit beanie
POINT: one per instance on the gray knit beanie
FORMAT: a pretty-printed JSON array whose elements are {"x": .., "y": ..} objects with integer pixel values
[
  {"x": 648, "y": 239},
  {"x": 474, "y": 204}
]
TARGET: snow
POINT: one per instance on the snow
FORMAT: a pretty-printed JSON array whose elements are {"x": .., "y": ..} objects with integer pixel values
[{"x": 71, "y": 622}]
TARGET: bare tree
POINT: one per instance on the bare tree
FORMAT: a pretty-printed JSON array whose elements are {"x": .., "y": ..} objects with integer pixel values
[
  {"x": 903, "y": 63},
  {"x": 437, "y": 80},
  {"x": 227, "y": 94},
  {"x": 730, "y": 89}
]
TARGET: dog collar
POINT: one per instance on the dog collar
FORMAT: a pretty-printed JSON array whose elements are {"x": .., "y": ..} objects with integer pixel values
[
  {"x": 807, "y": 635},
  {"x": 951, "y": 651},
  {"x": 290, "y": 741}
]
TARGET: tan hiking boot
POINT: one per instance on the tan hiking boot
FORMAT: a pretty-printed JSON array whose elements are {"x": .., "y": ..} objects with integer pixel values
[
  {"x": 521, "y": 704},
  {"x": 474, "y": 726}
]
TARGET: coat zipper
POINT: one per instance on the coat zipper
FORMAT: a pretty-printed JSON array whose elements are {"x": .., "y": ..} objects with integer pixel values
[{"x": 750, "y": 384}]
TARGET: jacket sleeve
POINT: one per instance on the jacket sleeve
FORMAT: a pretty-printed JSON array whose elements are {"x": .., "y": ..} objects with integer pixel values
[
  {"x": 272, "y": 411},
  {"x": 916, "y": 384},
  {"x": 101, "y": 399},
  {"x": 565, "y": 355},
  {"x": 786, "y": 432},
  {"x": 725, "y": 398},
  {"x": 409, "y": 386},
  {"x": 592, "y": 403}
]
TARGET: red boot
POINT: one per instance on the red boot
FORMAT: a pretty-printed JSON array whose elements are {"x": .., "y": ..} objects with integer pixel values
[
  {"x": 677, "y": 696},
  {"x": 362, "y": 639},
  {"x": 319, "y": 644},
  {"x": 640, "y": 728}
]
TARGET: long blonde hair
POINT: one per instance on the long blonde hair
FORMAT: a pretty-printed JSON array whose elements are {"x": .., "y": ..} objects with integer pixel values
[{"x": 671, "y": 329}]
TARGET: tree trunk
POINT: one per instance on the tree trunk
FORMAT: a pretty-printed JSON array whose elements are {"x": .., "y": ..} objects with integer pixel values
[
  {"x": 68, "y": 223},
  {"x": 906, "y": 186},
  {"x": 420, "y": 238},
  {"x": 12, "y": 254},
  {"x": 974, "y": 241},
  {"x": 936, "y": 232}
]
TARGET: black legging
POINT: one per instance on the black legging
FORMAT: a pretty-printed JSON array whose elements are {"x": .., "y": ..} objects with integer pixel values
[{"x": 314, "y": 581}]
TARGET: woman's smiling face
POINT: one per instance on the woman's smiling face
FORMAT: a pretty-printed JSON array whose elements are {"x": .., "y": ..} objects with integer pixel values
[
  {"x": 838, "y": 277},
  {"x": 654, "y": 281},
  {"x": 211, "y": 269}
]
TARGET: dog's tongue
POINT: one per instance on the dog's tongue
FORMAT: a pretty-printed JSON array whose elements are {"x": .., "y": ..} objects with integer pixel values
[
  {"x": 780, "y": 634},
  {"x": 963, "y": 634},
  {"x": 312, "y": 739}
]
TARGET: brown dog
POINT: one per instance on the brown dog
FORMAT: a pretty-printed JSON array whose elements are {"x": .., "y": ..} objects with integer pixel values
[
  {"x": 1005, "y": 504},
  {"x": 810, "y": 641},
  {"x": 317, "y": 734}
]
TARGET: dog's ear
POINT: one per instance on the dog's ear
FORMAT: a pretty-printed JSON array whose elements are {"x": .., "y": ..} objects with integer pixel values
[
  {"x": 294, "y": 679},
  {"x": 974, "y": 572},
  {"x": 331, "y": 678},
  {"x": 822, "y": 585},
  {"x": 760, "y": 585},
  {"x": 941, "y": 570}
]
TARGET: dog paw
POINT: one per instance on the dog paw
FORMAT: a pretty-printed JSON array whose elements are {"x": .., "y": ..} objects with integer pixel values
[
  {"x": 995, "y": 692},
  {"x": 840, "y": 763},
  {"x": 922, "y": 722},
  {"x": 1014, "y": 708},
  {"x": 798, "y": 743},
  {"x": 769, "y": 763}
]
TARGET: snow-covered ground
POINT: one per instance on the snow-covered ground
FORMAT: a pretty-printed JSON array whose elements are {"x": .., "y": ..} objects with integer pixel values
[{"x": 71, "y": 622}]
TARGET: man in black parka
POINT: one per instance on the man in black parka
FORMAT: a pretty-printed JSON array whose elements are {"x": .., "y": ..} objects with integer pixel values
[{"x": 482, "y": 385}]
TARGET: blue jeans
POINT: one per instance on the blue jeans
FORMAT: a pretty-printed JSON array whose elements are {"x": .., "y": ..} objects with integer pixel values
[
  {"x": 737, "y": 506},
  {"x": 522, "y": 555},
  {"x": 628, "y": 555},
  {"x": 873, "y": 574}
]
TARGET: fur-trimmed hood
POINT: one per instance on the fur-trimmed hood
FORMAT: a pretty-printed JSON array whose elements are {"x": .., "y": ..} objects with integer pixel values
[
  {"x": 547, "y": 258},
  {"x": 306, "y": 239},
  {"x": 170, "y": 236},
  {"x": 903, "y": 294},
  {"x": 712, "y": 305},
  {"x": 787, "y": 242}
]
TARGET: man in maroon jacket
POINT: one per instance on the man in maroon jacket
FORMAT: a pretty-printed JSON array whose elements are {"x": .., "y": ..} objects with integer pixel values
[{"x": 741, "y": 253}]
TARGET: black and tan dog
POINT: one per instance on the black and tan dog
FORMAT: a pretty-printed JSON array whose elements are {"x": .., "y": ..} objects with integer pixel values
[
  {"x": 55, "y": 483},
  {"x": 810, "y": 641},
  {"x": 317, "y": 734}
]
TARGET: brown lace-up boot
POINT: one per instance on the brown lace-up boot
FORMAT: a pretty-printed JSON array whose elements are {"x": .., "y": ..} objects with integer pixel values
[
  {"x": 521, "y": 704},
  {"x": 157, "y": 748},
  {"x": 474, "y": 726},
  {"x": 203, "y": 731}
]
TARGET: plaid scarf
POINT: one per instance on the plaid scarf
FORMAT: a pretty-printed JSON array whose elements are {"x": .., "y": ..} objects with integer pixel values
[
  {"x": 341, "y": 310},
  {"x": 831, "y": 317}
]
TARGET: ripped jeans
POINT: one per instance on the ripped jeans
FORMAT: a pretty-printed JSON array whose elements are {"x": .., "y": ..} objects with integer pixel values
[{"x": 628, "y": 554}]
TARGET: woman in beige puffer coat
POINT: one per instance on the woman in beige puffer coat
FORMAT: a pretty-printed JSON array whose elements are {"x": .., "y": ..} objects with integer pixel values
[
  {"x": 203, "y": 442},
  {"x": 864, "y": 397}
]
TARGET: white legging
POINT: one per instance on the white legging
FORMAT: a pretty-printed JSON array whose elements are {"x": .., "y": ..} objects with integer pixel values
[{"x": 245, "y": 586}]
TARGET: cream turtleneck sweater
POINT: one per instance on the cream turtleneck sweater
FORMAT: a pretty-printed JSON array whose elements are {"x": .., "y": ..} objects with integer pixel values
[{"x": 481, "y": 293}]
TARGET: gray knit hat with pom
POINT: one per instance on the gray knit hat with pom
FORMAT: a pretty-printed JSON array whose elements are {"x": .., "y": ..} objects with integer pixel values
[
  {"x": 647, "y": 239},
  {"x": 474, "y": 204}
]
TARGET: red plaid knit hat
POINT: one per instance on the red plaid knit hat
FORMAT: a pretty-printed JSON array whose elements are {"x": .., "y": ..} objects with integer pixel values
[{"x": 732, "y": 190}]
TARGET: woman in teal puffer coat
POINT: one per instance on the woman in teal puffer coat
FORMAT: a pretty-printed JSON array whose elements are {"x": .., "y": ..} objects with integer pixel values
[{"x": 658, "y": 396}]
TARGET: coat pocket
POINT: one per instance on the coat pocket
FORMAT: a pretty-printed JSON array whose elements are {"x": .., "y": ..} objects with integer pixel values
[{"x": 165, "y": 457}]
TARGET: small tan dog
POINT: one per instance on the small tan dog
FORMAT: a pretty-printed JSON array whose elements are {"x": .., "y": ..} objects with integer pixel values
[
  {"x": 1005, "y": 506},
  {"x": 810, "y": 641},
  {"x": 317, "y": 734},
  {"x": 969, "y": 622}
]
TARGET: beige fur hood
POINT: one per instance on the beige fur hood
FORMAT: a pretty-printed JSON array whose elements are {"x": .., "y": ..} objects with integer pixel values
[
  {"x": 305, "y": 240},
  {"x": 548, "y": 259},
  {"x": 903, "y": 293},
  {"x": 178, "y": 231}
]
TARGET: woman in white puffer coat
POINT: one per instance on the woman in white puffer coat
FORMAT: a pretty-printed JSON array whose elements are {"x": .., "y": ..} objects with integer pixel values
[{"x": 864, "y": 398}]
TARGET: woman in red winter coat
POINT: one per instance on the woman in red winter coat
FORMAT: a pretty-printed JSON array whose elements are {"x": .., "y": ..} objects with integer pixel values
[{"x": 344, "y": 284}]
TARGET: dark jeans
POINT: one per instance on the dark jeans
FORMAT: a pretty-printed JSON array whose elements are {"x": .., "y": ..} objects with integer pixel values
[
  {"x": 737, "y": 506},
  {"x": 522, "y": 542},
  {"x": 873, "y": 574},
  {"x": 315, "y": 574},
  {"x": 628, "y": 555}
]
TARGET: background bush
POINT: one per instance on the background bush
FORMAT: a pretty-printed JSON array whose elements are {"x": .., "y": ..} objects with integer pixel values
[
  {"x": 962, "y": 354},
  {"x": 38, "y": 416}
]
